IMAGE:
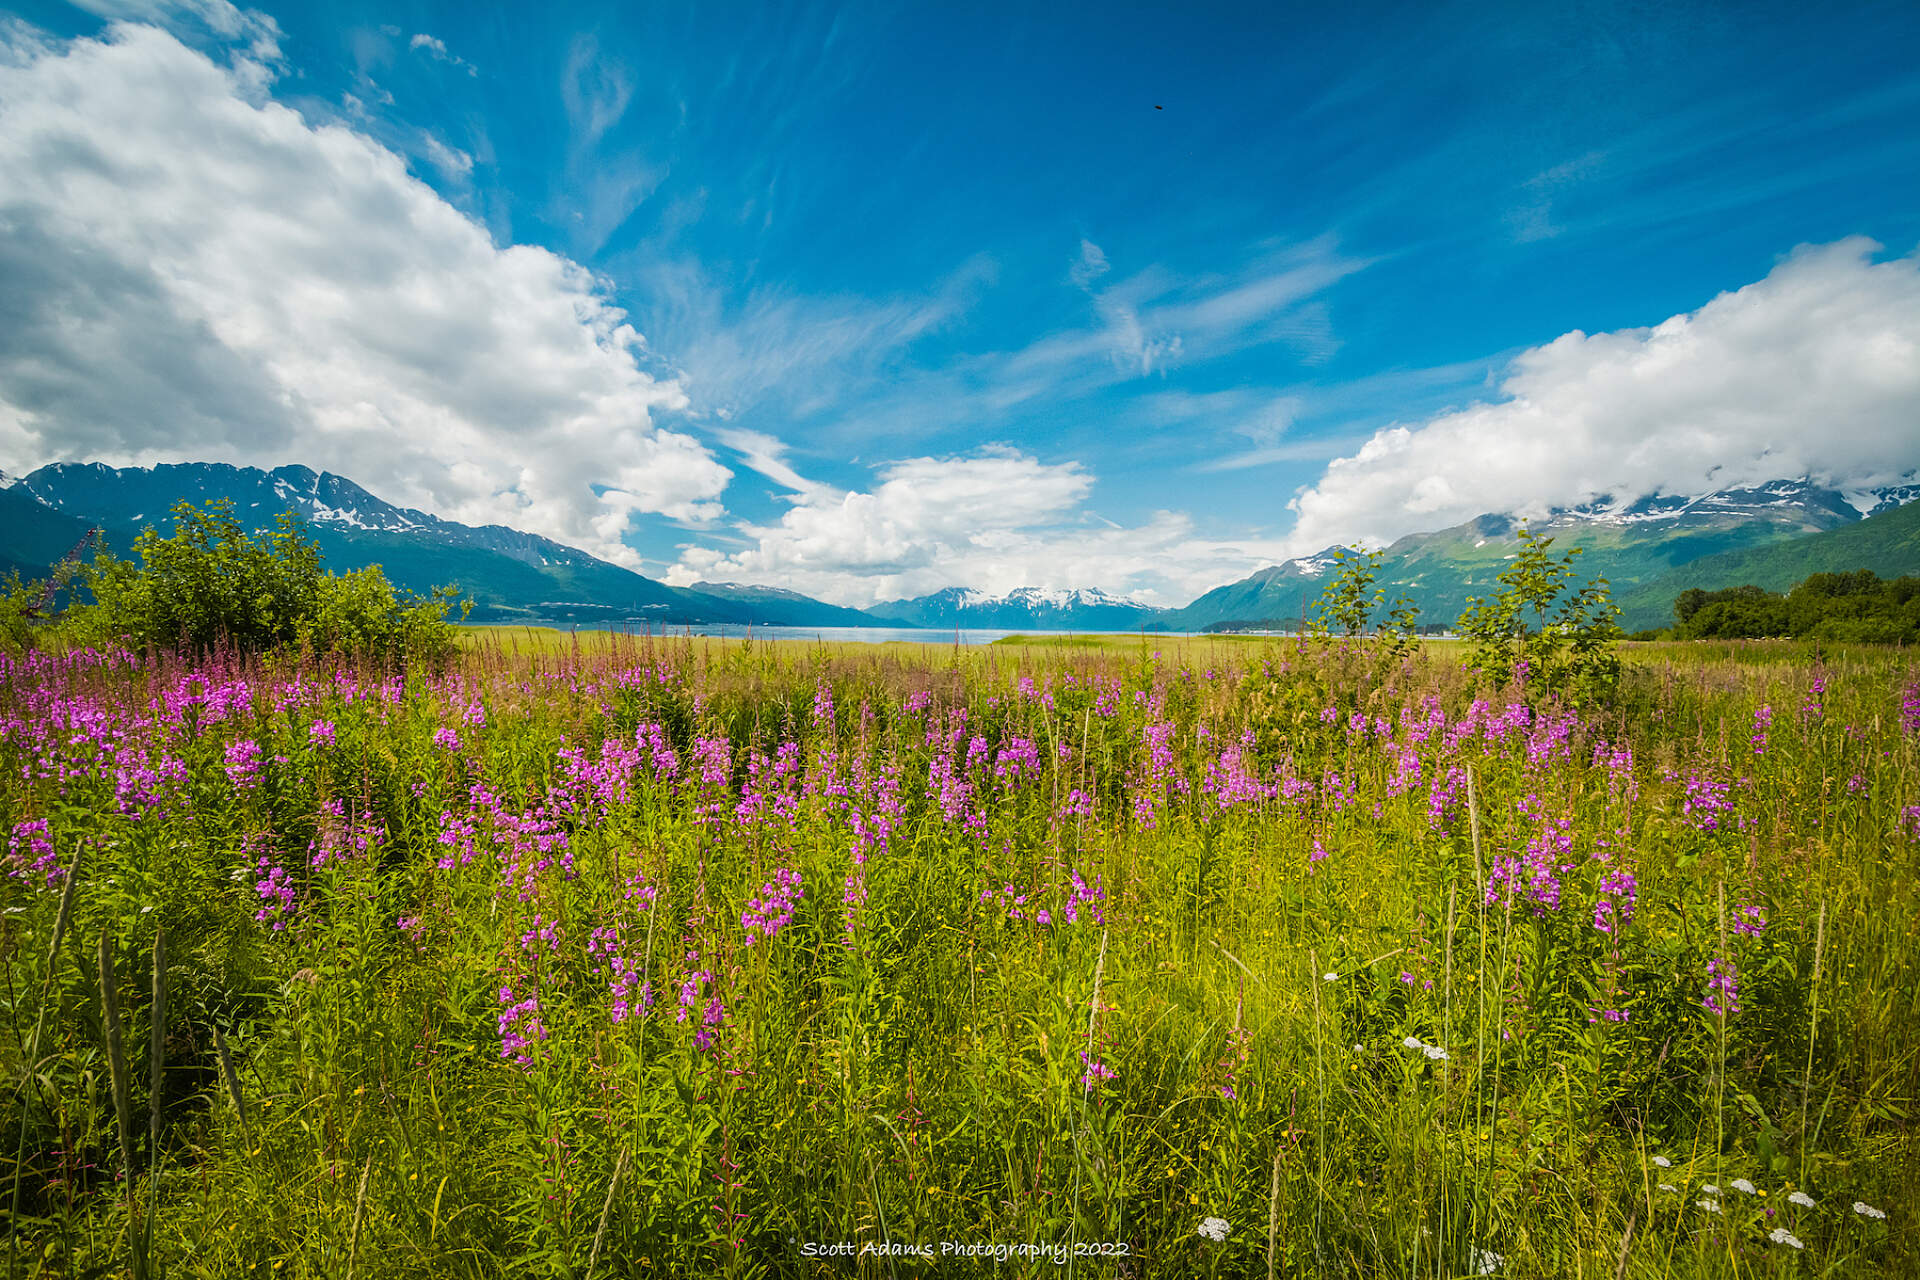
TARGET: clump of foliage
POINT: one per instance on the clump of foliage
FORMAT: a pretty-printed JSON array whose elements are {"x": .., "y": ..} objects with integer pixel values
[
  {"x": 213, "y": 583},
  {"x": 1860, "y": 607},
  {"x": 1539, "y": 626},
  {"x": 1347, "y": 606}
]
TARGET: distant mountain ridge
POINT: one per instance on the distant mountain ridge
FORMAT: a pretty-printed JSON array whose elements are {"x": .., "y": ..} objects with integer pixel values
[
  {"x": 511, "y": 575},
  {"x": 1649, "y": 547},
  {"x": 1027, "y": 609},
  {"x": 1629, "y": 541}
]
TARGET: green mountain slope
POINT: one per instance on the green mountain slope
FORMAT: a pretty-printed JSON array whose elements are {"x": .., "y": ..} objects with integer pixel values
[
  {"x": 1887, "y": 542},
  {"x": 1628, "y": 543},
  {"x": 510, "y": 575}
]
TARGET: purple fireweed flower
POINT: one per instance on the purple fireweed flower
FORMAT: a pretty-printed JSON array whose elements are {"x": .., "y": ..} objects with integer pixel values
[
  {"x": 1619, "y": 892},
  {"x": 712, "y": 1017},
  {"x": 1093, "y": 1071},
  {"x": 1723, "y": 989},
  {"x": 1706, "y": 801},
  {"x": 320, "y": 733},
  {"x": 520, "y": 1026},
  {"x": 446, "y": 739},
  {"x": 1762, "y": 721},
  {"x": 30, "y": 854},
  {"x": 542, "y": 931},
  {"x": 770, "y": 912},
  {"x": 1814, "y": 708},
  {"x": 275, "y": 890},
  {"x": 243, "y": 764},
  {"x": 1749, "y": 920}
]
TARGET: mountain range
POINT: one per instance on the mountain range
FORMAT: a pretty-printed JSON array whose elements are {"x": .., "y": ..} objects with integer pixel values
[
  {"x": 1650, "y": 547},
  {"x": 1027, "y": 609},
  {"x": 511, "y": 576}
]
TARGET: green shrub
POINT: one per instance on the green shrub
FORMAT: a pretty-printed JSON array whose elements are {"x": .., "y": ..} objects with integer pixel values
[
  {"x": 212, "y": 583},
  {"x": 1561, "y": 638}
]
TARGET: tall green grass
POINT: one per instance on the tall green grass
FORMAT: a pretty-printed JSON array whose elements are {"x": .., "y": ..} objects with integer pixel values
[{"x": 914, "y": 1068}]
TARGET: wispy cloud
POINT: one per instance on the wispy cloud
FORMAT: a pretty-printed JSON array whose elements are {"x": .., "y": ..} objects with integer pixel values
[
  {"x": 436, "y": 48},
  {"x": 604, "y": 184}
]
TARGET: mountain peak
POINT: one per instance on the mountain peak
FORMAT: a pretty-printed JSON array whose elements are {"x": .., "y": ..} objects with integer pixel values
[{"x": 1037, "y": 608}]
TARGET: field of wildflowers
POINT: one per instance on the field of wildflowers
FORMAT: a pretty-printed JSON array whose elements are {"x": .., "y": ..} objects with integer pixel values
[{"x": 700, "y": 958}]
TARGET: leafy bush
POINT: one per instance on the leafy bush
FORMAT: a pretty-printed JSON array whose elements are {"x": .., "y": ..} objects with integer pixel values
[
  {"x": 1539, "y": 626},
  {"x": 212, "y": 583},
  {"x": 1859, "y": 607}
]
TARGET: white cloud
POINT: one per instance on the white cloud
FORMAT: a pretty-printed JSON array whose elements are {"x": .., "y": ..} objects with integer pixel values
[
  {"x": 995, "y": 520},
  {"x": 1090, "y": 266},
  {"x": 436, "y": 48},
  {"x": 194, "y": 273},
  {"x": 768, "y": 456},
  {"x": 1814, "y": 370},
  {"x": 454, "y": 164},
  {"x": 221, "y": 18}
]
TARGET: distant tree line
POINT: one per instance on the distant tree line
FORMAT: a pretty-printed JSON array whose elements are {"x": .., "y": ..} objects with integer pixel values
[{"x": 1860, "y": 607}]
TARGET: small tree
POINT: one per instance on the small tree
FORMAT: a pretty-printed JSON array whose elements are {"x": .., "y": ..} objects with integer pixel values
[
  {"x": 1540, "y": 626},
  {"x": 1346, "y": 606}
]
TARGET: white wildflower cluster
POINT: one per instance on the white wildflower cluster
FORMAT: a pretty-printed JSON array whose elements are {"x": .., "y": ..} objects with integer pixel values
[
  {"x": 1711, "y": 1206},
  {"x": 1663, "y": 1162},
  {"x": 1800, "y": 1198},
  {"x": 1866, "y": 1210},
  {"x": 1433, "y": 1051},
  {"x": 1744, "y": 1187},
  {"x": 1780, "y": 1235},
  {"x": 1668, "y": 1186},
  {"x": 1331, "y": 977},
  {"x": 1215, "y": 1229},
  {"x": 1710, "y": 1188},
  {"x": 1486, "y": 1261}
]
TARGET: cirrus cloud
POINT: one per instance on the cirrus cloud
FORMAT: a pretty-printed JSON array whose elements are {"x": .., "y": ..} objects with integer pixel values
[{"x": 199, "y": 273}]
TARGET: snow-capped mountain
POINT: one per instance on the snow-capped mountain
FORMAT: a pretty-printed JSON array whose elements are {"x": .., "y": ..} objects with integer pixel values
[
  {"x": 1028, "y": 608},
  {"x": 510, "y": 575},
  {"x": 1626, "y": 540}
]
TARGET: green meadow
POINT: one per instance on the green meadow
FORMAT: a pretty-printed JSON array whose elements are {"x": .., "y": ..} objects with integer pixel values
[{"x": 613, "y": 956}]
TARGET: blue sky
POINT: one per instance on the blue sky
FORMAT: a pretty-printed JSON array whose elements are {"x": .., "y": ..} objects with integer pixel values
[{"x": 929, "y": 295}]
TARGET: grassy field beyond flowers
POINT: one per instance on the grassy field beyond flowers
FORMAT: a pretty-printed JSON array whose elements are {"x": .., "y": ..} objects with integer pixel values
[{"x": 1141, "y": 957}]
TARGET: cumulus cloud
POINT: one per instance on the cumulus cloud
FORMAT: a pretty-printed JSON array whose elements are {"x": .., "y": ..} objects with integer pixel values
[
  {"x": 1812, "y": 371},
  {"x": 196, "y": 272},
  {"x": 995, "y": 520}
]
